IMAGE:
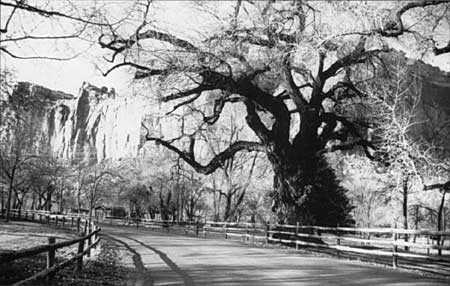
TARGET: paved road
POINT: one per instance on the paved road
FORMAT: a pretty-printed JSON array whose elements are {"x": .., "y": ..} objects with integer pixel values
[{"x": 169, "y": 259}]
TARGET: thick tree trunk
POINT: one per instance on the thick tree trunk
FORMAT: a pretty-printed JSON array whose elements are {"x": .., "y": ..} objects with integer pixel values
[
  {"x": 48, "y": 201},
  {"x": 306, "y": 191},
  {"x": 164, "y": 206},
  {"x": 226, "y": 213}
]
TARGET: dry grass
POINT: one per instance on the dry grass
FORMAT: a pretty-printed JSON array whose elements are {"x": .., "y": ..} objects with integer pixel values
[
  {"x": 22, "y": 234},
  {"x": 100, "y": 269}
]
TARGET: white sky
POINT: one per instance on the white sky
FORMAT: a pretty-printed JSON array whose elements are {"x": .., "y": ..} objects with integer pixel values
[{"x": 69, "y": 75}]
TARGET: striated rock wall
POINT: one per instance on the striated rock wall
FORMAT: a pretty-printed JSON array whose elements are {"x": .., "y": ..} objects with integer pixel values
[
  {"x": 97, "y": 124},
  {"x": 431, "y": 122},
  {"x": 90, "y": 127},
  {"x": 434, "y": 110}
]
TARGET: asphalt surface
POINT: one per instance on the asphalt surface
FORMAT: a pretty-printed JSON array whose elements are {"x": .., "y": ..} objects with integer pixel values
[{"x": 168, "y": 259}]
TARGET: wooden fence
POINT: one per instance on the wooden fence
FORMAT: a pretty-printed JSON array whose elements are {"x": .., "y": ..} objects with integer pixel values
[
  {"x": 423, "y": 250},
  {"x": 89, "y": 238}
]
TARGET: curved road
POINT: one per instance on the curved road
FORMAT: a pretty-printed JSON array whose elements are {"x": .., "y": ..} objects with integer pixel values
[{"x": 169, "y": 259}]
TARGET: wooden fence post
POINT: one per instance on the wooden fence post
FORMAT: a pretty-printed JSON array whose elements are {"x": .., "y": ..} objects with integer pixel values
[
  {"x": 226, "y": 230},
  {"x": 26, "y": 215},
  {"x": 78, "y": 224},
  {"x": 32, "y": 216},
  {"x": 56, "y": 220},
  {"x": 80, "y": 250},
  {"x": 63, "y": 221},
  {"x": 253, "y": 233},
  {"x": 394, "y": 249},
  {"x": 86, "y": 226},
  {"x": 71, "y": 222},
  {"x": 196, "y": 228},
  {"x": 267, "y": 232},
  {"x": 406, "y": 238},
  {"x": 51, "y": 257},
  {"x": 439, "y": 242},
  {"x": 296, "y": 236},
  {"x": 48, "y": 219},
  {"x": 246, "y": 233},
  {"x": 338, "y": 240}
]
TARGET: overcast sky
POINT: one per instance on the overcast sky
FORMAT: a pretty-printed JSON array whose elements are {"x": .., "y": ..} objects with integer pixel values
[{"x": 69, "y": 75}]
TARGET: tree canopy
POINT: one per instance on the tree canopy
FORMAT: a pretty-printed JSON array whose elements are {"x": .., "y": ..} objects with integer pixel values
[{"x": 293, "y": 67}]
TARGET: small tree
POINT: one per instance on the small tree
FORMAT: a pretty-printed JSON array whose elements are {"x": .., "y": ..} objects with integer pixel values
[
  {"x": 14, "y": 160},
  {"x": 233, "y": 177},
  {"x": 400, "y": 124},
  {"x": 99, "y": 178}
]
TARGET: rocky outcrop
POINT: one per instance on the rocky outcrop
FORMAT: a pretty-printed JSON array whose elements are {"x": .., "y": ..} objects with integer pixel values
[
  {"x": 89, "y": 127},
  {"x": 434, "y": 110},
  {"x": 431, "y": 122}
]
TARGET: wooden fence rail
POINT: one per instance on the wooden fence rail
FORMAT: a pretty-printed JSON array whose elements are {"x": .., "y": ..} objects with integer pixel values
[
  {"x": 89, "y": 236},
  {"x": 393, "y": 246}
]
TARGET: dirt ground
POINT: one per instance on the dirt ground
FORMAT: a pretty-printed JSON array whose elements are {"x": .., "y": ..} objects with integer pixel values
[{"x": 102, "y": 268}]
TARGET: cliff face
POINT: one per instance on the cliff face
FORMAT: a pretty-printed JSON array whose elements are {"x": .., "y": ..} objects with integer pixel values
[
  {"x": 430, "y": 88},
  {"x": 434, "y": 110},
  {"x": 97, "y": 124},
  {"x": 93, "y": 126}
]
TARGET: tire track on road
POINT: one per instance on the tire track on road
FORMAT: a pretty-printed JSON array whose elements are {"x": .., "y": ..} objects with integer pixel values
[
  {"x": 144, "y": 279},
  {"x": 186, "y": 278}
]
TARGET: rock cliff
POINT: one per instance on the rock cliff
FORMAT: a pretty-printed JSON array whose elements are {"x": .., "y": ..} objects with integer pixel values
[
  {"x": 98, "y": 124},
  {"x": 89, "y": 127}
]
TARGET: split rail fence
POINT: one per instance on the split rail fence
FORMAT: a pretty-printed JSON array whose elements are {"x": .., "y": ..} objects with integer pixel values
[
  {"x": 89, "y": 238},
  {"x": 423, "y": 250}
]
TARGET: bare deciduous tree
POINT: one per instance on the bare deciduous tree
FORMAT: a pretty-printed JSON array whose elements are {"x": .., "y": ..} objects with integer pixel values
[{"x": 255, "y": 60}]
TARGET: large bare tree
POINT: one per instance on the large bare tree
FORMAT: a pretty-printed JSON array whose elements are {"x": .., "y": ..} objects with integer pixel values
[
  {"x": 293, "y": 99},
  {"x": 289, "y": 71}
]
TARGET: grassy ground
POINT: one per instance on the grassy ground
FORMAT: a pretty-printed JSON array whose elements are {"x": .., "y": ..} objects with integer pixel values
[{"x": 102, "y": 268}]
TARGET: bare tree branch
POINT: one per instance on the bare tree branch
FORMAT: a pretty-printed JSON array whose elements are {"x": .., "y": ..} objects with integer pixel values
[
  {"x": 396, "y": 28},
  {"x": 357, "y": 56},
  {"x": 38, "y": 57},
  {"x": 445, "y": 186},
  {"x": 22, "y": 5},
  {"x": 217, "y": 161}
]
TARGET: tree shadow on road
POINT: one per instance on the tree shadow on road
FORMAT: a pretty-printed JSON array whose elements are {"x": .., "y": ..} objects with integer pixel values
[
  {"x": 144, "y": 277},
  {"x": 173, "y": 266}
]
